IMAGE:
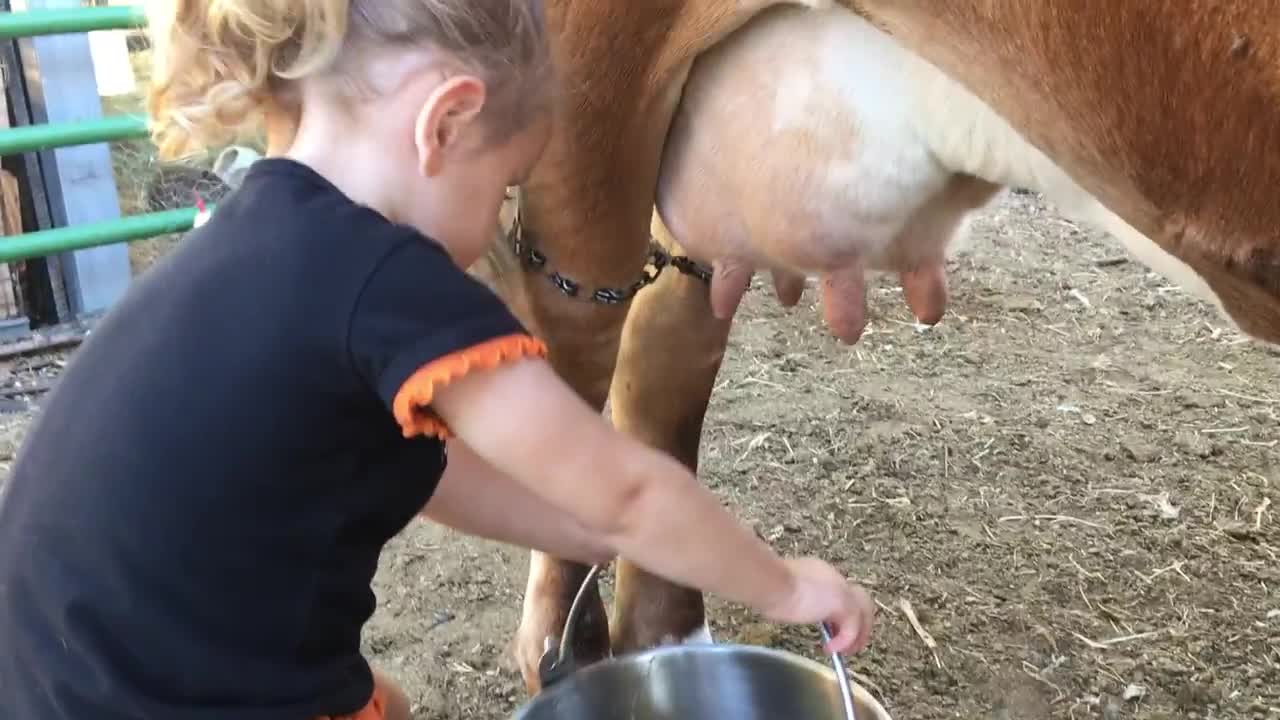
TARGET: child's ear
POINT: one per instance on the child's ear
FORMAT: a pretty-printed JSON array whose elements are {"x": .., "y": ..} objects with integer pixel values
[{"x": 445, "y": 117}]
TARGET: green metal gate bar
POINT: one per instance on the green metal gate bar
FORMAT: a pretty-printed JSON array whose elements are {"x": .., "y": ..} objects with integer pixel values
[
  {"x": 56, "y": 135},
  {"x": 32, "y": 23},
  {"x": 29, "y": 23},
  {"x": 87, "y": 235}
]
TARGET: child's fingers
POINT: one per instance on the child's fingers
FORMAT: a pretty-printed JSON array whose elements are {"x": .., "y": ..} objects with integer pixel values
[
  {"x": 864, "y": 635},
  {"x": 851, "y": 635},
  {"x": 846, "y": 632},
  {"x": 866, "y": 619}
]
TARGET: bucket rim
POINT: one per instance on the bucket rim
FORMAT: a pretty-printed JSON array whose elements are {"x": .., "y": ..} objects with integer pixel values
[{"x": 549, "y": 695}]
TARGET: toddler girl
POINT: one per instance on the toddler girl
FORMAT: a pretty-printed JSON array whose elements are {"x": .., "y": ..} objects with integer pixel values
[{"x": 192, "y": 525}]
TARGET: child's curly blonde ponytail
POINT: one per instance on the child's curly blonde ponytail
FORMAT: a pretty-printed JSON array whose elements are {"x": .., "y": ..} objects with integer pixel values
[{"x": 219, "y": 64}]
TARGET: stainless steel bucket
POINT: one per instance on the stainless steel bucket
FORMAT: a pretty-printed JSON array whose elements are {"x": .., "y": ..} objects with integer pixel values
[
  {"x": 691, "y": 682},
  {"x": 700, "y": 682}
]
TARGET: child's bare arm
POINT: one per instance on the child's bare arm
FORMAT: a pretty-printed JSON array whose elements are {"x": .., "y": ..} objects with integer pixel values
[
  {"x": 480, "y": 500},
  {"x": 524, "y": 419},
  {"x": 445, "y": 355}
]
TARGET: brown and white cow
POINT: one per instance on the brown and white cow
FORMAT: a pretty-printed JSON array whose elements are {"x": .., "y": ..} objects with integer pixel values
[{"x": 1161, "y": 119}]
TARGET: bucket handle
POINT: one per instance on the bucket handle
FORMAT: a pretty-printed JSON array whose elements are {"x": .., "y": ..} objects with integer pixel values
[
  {"x": 558, "y": 663},
  {"x": 842, "y": 677}
]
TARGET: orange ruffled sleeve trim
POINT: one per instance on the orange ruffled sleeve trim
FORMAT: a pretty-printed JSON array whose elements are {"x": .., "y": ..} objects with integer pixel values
[{"x": 412, "y": 402}]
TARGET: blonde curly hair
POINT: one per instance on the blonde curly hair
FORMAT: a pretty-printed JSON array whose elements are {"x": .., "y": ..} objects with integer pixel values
[{"x": 219, "y": 65}]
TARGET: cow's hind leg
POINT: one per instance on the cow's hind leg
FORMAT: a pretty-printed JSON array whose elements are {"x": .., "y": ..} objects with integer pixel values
[{"x": 671, "y": 351}]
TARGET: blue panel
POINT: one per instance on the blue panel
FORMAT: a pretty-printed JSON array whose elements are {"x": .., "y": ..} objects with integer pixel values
[{"x": 81, "y": 185}]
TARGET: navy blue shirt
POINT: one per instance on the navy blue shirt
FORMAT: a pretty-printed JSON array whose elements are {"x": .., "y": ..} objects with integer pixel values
[{"x": 193, "y": 522}]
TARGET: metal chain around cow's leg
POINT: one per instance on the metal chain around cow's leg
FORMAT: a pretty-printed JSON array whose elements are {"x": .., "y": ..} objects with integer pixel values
[{"x": 659, "y": 259}]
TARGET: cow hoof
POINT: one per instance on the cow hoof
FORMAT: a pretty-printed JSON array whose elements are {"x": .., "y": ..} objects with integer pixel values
[
  {"x": 700, "y": 636},
  {"x": 540, "y": 630},
  {"x": 528, "y": 656}
]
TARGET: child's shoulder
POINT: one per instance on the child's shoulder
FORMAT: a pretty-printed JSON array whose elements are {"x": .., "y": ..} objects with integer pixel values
[
  {"x": 285, "y": 198},
  {"x": 288, "y": 216}
]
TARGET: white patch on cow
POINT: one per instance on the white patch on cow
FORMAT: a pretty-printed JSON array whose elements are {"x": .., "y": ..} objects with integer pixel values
[
  {"x": 872, "y": 189},
  {"x": 701, "y": 636}
]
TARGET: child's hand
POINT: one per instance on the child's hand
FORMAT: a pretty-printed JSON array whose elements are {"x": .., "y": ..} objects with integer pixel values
[{"x": 822, "y": 594}]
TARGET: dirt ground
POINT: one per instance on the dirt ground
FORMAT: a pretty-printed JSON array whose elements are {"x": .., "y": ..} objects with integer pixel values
[{"x": 1073, "y": 481}]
